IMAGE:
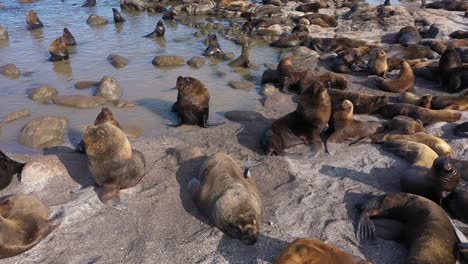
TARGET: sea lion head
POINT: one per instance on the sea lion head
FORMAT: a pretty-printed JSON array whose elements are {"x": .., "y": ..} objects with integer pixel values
[
  {"x": 212, "y": 40},
  {"x": 445, "y": 174},
  {"x": 246, "y": 230},
  {"x": 285, "y": 65},
  {"x": 426, "y": 101},
  {"x": 345, "y": 105},
  {"x": 189, "y": 86},
  {"x": 381, "y": 53},
  {"x": 106, "y": 141},
  {"x": 103, "y": 116},
  {"x": 299, "y": 28}
]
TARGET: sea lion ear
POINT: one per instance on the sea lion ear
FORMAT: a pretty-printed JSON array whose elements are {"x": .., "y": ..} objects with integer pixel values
[{"x": 247, "y": 173}]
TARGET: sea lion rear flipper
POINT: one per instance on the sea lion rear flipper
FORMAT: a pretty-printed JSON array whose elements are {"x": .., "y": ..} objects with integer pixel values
[
  {"x": 110, "y": 197},
  {"x": 365, "y": 229}
]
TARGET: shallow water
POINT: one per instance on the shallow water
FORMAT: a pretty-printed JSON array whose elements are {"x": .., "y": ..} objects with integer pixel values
[{"x": 141, "y": 82}]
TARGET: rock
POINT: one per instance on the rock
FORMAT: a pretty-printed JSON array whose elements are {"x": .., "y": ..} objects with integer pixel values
[
  {"x": 85, "y": 84},
  {"x": 10, "y": 71},
  {"x": 42, "y": 170},
  {"x": 168, "y": 60},
  {"x": 198, "y": 34},
  {"x": 79, "y": 101},
  {"x": 95, "y": 20},
  {"x": 44, "y": 132},
  {"x": 199, "y": 7},
  {"x": 3, "y": 33},
  {"x": 43, "y": 94},
  {"x": 109, "y": 89},
  {"x": 277, "y": 99},
  {"x": 268, "y": 89},
  {"x": 304, "y": 21},
  {"x": 17, "y": 115},
  {"x": 275, "y": 30},
  {"x": 141, "y": 5},
  {"x": 117, "y": 61},
  {"x": 196, "y": 62},
  {"x": 242, "y": 85},
  {"x": 270, "y": 76}
]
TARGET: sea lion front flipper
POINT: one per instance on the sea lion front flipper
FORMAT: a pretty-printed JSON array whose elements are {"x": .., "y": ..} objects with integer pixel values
[
  {"x": 207, "y": 125},
  {"x": 179, "y": 122},
  {"x": 174, "y": 107},
  {"x": 365, "y": 229},
  {"x": 462, "y": 246},
  {"x": 81, "y": 147},
  {"x": 110, "y": 196}
]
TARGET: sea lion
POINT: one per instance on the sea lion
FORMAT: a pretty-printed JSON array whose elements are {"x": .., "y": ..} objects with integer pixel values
[
  {"x": 427, "y": 116},
  {"x": 305, "y": 124},
  {"x": 58, "y": 49},
  {"x": 322, "y": 20},
  {"x": 408, "y": 35},
  {"x": 24, "y": 223},
  {"x": 456, "y": 203},
  {"x": 350, "y": 60},
  {"x": 459, "y": 34},
  {"x": 293, "y": 40},
  {"x": 229, "y": 197},
  {"x": 244, "y": 59},
  {"x": 448, "y": 5},
  {"x": 410, "y": 98},
  {"x": 158, "y": 31},
  {"x": 169, "y": 14},
  {"x": 69, "y": 39},
  {"x": 404, "y": 125},
  {"x": 328, "y": 45},
  {"x": 314, "y": 251},
  {"x": 363, "y": 103},
  {"x": 89, "y": 3},
  {"x": 409, "y": 52},
  {"x": 33, "y": 20},
  {"x": 299, "y": 28},
  {"x": 329, "y": 79},
  {"x": 404, "y": 81},
  {"x": 458, "y": 79},
  {"x": 427, "y": 231},
  {"x": 440, "y": 146},
  {"x": 377, "y": 65},
  {"x": 461, "y": 130},
  {"x": 289, "y": 78},
  {"x": 459, "y": 103},
  {"x": 112, "y": 162},
  {"x": 344, "y": 125},
  {"x": 193, "y": 101},
  {"x": 395, "y": 64},
  {"x": 118, "y": 17},
  {"x": 8, "y": 168},
  {"x": 312, "y": 7},
  {"x": 448, "y": 61},
  {"x": 213, "y": 49}
]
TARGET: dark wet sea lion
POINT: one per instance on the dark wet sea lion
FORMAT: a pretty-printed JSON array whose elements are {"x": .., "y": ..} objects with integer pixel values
[
  {"x": 158, "y": 31},
  {"x": 377, "y": 65},
  {"x": 24, "y": 223},
  {"x": 33, "y": 20},
  {"x": 313, "y": 251},
  {"x": 293, "y": 40},
  {"x": 229, "y": 197},
  {"x": 363, "y": 103},
  {"x": 69, "y": 39},
  {"x": 427, "y": 233},
  {"x": 459, "y": 102},
  {"x": 448, "y": 61},
  {"x": 461, "y": 130},
  {"x": 289, "y": 77},
  {"x": 89, "y": 3},
  {"x": 328, "y": 45},
  {"x": 409, "y": 52},
  {"x": 244, "y": 59},
  {"x": 8, "y": 168},
  {"x": 299, "y": 28},
  {"x": 427, "y": 116},
  {"x": 213, "y": 49},
  {"x": 58, "y": 49},
  {"x": 459, "y": 34},
  {"x": 404, "y": 81},
  {"x": 456, "y": 203},
  {"x": 351, "y": 59},
  {"x": 410, "y": 98},
  {"x": 458, "y": 79},
  {"x": 112, "y": 162},
  {"x": 312, "y": 7},
  {"x": 117, "y": 16},
  {"x": 408, "y": 35}
]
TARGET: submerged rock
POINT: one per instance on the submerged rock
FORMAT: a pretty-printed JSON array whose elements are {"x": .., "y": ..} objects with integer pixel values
[
  {"x": 196, "y": 62},
  {"x": 95, "y": 20},
  {"x": 79, "y": 101},
  {"x": 109, "y": 89},
  {"x": 10, "y": 71},
  {"x": 85, "y": 84},
  {"x": 44, "y": 131},
  {"x": 17, "y": 115},
  {"x": 117, "y": 61},
  {"x": 242, "y": 85},
  {"x": 43, "y": 94},
  {"x": 3, "y": 33}
]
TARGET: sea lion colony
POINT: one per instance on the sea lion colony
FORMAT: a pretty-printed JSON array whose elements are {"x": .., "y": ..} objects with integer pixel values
[{"x": 229, "y": 197}]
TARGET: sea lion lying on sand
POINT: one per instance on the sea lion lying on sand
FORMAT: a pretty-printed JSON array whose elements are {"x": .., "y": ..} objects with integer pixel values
[
  {"x": 459, "y": 102},
  {"x": 404, "y": 81},
  {"x": 440, "y": 146},
  {"x": 328, "y": 45},
  {"x": 8, "y": 168},
  {"x": 363, "y": 103},
  {"x": 427, "y": 116},
  {"x": 408, "y": 35},
  {"x": 350, "y": 60},
  {"x": 410, "y": 98}
]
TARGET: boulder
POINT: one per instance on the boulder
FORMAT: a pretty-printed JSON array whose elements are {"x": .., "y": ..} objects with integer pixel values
[
  {"x": 43, "y": 94},
  {"x": 10, "y": 71},
  {"x": 17, "y": 115},
  {"x": 196, "y": 62},
  {"x": 109, "y": 89},
  {"x": 117, "y": 61},
  {"x": 3, "y": 33},
  {"x": 242, "y": 85},
  {"x": 168, "y": 60},
  {"x": 44, "y": 132}
]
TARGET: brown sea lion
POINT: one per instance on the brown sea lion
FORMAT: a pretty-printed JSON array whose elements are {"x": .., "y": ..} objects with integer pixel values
[
  {"x": 299, "y": 28},
  {"x": 409, "y": 52},
  {"x": 363, "y": 103},
  {"x": 304, "y": 125},
  {"x": 213, "y": 49},
  {"x": 89, "y": 3},
  {"x": 321, "y": 20},
  {"x": 331, "y": 80},
  {"x": 440, "y": 146},
  {"x": 69, "y": 39},
  {"x": 229, "y": 197},
  {"x": 345, "y": 126},
  {"x": 404, "y": 81},
  {"x": 33, "y": 20},
  {"x": 328, "y": 45},
  {"x": 427, "y": 116},
  {"x": 118, "y": 17},
  {"x": 404, "y": 125},
  {"x": 112, "y": 162},
  {"x": 58, "y": 49},
  {"x": 314, "y": 251},
  {"x": 377, "y": 65},
  {"x": 459, "y": 103},
  {"x": 192, "y": 104},
  {"x": 158, "y": 31},
  {"x": 106, "y": 116},
  {"x": 8, "y": 168},
  {"x": 395, "y": 64},
  {"x": 24, "y": 223},
  {"x": 350, "y": 60},
  {"x": 289, "y": 78},
  {"x": 459, "y": 34},
  {"x": 312, "y": 7},
  {"x": 408, "y": 35},
  {"x": 427, "y": 230},
  {"x": 424, "y": 101},
  {"x": 448, "y": 61}
]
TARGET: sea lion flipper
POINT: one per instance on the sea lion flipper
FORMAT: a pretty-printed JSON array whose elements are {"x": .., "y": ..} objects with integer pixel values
[
  {"x": 110, "y": 196},
  {"x": 247, "y": 173},
  {"x": 179, "y": 122},
  {"x": 366, "y": 229},
  {"x": 174, "y": 107},
  {"x": 206, "y": 124},
  {"x": 462, "y": 246}
]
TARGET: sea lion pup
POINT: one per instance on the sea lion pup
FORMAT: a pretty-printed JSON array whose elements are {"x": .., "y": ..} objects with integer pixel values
[
  {"x": 89, "y": 3},
  {"x": 459, "y": 34},
  {"x": 404, "y": 81},
  {"x": 117, "y": 16},
  {"x": 69, "y": 39},
  {"x": 377, "y": 65},
  {"x": 8, "y": 168},
  {"x": 345, "y": 126},
  {"x": 312, "y": 7},
  {"x": 112, "y": 162},
  {"x": 33, "y": 20},
  {"x": 58, "y": 49},
  {"x": 305, "y": 124},
  {"x": 427, "y": 230},
  {"x": 461, "y": 130},
  {"x": 244, "y": 59},
  {"x": 427, "y": 116},
  {"x": 448, "y": 61},
  {"x": 24, "y": 223},
  {"x": 213, "y": 49},
  {"x": 293, "y": 40},
  {"x": 363, "y": 103},
  {"x": 328, "y": 45},
  {"x": 158, "y": 31},
  {"x": 289, "y": 78},
  {"x": 193, "y": 102},
  {"x": 314, "y": 251},
  {"x": 408, "y": 35},
  {"x": 424, "y": 101},
  {"x": 350, "y": 60},
  {"x": 440, "y": 146},
  {"x": 229, "y": 197}
]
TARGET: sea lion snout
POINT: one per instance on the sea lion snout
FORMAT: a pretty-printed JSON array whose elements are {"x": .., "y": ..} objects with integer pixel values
[
  {"x": 444, "y": 163},
  {"x": 345, "y": 105}
]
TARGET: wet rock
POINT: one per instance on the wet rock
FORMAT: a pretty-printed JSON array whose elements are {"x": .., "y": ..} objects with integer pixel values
[
  {"x": 10, "y": 71},
  {"x": 168, "y": 60},
  {"x": 95, "y": 20},
  {"x": 40, "y": 171},
  {"x": 79, "y": 101},
  {"x": 242, "y": 85},
  {"x": 17, "y": 115},
  {"x": 268, "y": 89},
  {"x": 109, "y": 89},
  {"x": 275, "y": 30},
  {"x": 196, "y": 62},
  {"x": 43, "y": 94},
  {"x": 3, "y": 33},
  {"x": 44, "y": 132},
  {"x": 85, "y": 84},
  {"x": 243, "y": 115},
  {"x": 117, "y": 61},
  {"x": 270, "y": 76},
  {"x": 277, "y": 99}
]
